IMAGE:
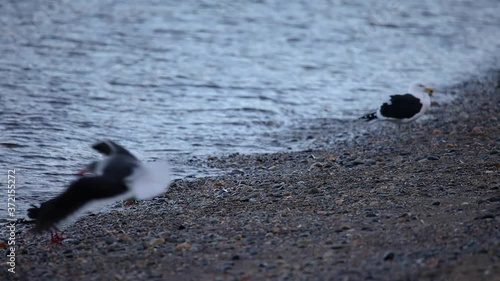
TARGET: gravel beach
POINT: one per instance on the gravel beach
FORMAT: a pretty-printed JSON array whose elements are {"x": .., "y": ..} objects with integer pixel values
[{"x": 375, "y": 207}]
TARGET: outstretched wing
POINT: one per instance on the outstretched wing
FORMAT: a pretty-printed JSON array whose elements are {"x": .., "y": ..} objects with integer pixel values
[
  {"x": 79, "y": 193},
  {"x": 108, "y": 147},
  {"x": 401, "y": 107}
]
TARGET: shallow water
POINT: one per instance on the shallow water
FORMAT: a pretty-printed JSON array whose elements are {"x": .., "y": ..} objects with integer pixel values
[{"x": 182, "y": 79}]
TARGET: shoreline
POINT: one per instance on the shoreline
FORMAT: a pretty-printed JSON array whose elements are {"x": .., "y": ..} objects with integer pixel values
[{"x": 425, "y": 208}]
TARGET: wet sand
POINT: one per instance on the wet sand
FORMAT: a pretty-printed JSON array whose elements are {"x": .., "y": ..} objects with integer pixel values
[{"x": 378, "y": 207}]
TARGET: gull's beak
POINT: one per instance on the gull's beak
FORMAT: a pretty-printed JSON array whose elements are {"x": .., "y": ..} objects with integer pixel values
[{"x": 429, "y": 90}]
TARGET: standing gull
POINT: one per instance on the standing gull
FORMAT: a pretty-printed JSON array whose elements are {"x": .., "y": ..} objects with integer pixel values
[
  {"x": 404, "y": 108},
  {"x": 120, "y": 175}
]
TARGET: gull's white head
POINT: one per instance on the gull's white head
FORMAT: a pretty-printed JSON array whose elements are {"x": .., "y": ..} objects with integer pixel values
[{"x": 418, "y": 87}]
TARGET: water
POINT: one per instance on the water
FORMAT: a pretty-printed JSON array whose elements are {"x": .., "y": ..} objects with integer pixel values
[{"x": 183, "y": 79}]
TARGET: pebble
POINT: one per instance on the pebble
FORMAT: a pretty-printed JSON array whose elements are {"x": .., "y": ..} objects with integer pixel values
[
  {"x": 437, "y": 132},
  {"x": 487, "y": 216},
  {"x": 343, "y": 228},
  {"x": 253, "y": 251},
  {"x": 370, "y": 215},
  {"x": 214, "y": 221},
  {"x": 476, "y": 131},
  {"x": 436, "y": 203},
  {"x": 110, "y": 240},
  {"x": 302, "y": 243},
  {"x": 357, "y": 161},
  {"x": 267, "y": 265},
  {"x": 156, "y": 241},
  {"x": 313, "y": 190},
  {"x": 305, "y": 234},
  {"x": 493, "y": 199},
  {"x": 196, "y": 248},
  {"x": 254, "y": 194},
  {"x": 183, "y": 246},
  {"x": 433, "y": 157},
  {"x": 388, "y": 256},
  {"x": 226, "y": 266},
  {"x": 328, "y": 255},
  {"x": 370, "y": 162},
  {"x": 71, "y": 241},
  {"x": 237, "y": 172},
  {"x": 483, "y": 156}
]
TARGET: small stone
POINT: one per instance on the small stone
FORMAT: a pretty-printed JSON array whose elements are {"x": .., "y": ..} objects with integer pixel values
[
  {"x": 302, "y": 243},
  {"x": 110, "y": 240},
  {"x": 433, "y": 157},
  {"x": 156, "y": 241},
  {"x": 343, "y": 228},
  {"x": 313, "y": 190},
  {"x": 370, "y": 215},
  {"x": 235, "y": 258},
  {"x": 237, "y": 172},
  {"x": 370, "y": 162},
  {"x": 214, "y": 221},
  {"x": 476, "y": 131},
  {"x": 432, "y": 262},
  {"x": 263, "y": 264},
  {"x": 436, "y": 203},
  {"x": 226, "y": 266},
  {"x": 487, "y": 216},
  {"x": 437, "y": 132},
  {"x": 277, "y": 194},
  {"x": 328, "y": 255},
  {"x": 276, "y": 230},
  {"x": 254, "y": 195},
  {"x": 357, "y": 161},
  {"x": 183, "y": 246},
  {"x": 71, "y": 241},
  {"x": 331, "y": 158},
  {"x": 305, "y": 234},
  {"x": 165, "y": 234},
  {"x": 317, "y": 164},
  {"x": 253, "y": 251},
  {"x": 196, "y": 248},
  {"x": 218, "y": 184},
  {"x": 277, "y": 186},
  {"x": 493, "y": 199},
  {"x": 388, "y": 256}
]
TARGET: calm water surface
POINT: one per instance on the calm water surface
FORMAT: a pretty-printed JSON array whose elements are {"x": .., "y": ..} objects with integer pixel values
[{"x": 178, "y": 80}]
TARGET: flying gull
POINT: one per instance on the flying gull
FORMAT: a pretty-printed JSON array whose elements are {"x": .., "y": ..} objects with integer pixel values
[{"x": 119, "y": 176}]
